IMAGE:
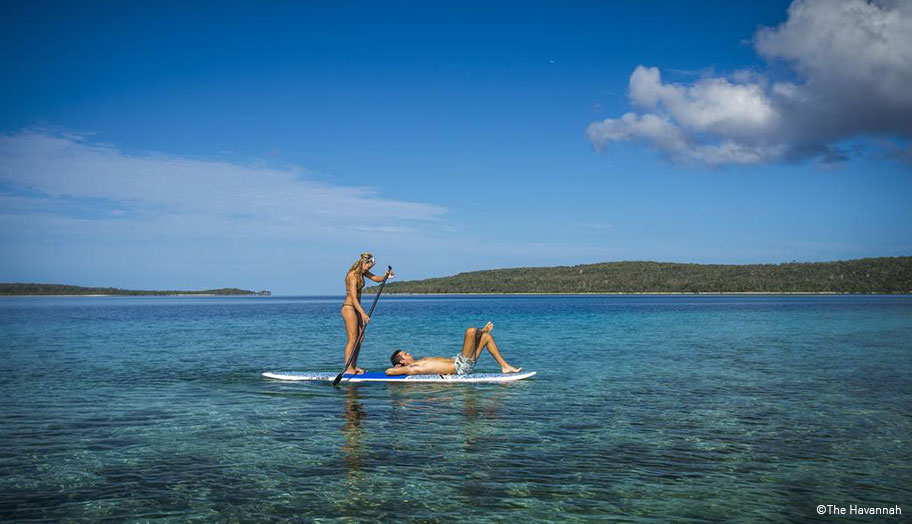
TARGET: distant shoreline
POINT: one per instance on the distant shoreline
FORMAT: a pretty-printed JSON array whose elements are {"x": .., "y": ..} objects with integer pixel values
[
  {"x": 884, "y": 275},
  {"x": 127, "y": 295},
  {"x": 657, "y": 293},
  {"x": 20, "y": 289},
  {"x": 666, "y": 293}
]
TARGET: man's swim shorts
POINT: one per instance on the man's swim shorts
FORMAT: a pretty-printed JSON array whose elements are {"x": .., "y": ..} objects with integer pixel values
[{"x": 464, "y": 365}]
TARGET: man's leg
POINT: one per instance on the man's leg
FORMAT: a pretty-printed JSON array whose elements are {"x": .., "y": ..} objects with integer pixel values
[
  {"x": 470, "y": 343},
  {"x": 487, "y": 341}
]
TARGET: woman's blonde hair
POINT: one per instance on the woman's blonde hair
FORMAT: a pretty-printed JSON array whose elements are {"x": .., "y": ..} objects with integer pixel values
[{"x": 358, "y": 267}]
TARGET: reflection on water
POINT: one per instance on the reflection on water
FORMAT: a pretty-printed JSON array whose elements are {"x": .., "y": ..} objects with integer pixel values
[
  {"x": 667, "y": 409},
  {"x": 353, "y": 449}
]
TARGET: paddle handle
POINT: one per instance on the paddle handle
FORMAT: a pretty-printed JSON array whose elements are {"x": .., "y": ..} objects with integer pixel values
[{"x": 376, "y": 298}]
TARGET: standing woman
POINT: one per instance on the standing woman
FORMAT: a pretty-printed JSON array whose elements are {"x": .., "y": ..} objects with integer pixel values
[{"x": 352, "y": 312}]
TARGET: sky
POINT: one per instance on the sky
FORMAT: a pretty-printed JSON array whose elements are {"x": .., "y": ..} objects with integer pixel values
[{"x": 265, "y": 145}]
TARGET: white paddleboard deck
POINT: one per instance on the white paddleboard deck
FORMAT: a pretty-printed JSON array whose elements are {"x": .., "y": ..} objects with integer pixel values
[{"x": 383, "y": 377}]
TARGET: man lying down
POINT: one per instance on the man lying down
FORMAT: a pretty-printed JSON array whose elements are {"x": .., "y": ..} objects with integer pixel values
[{"x": 476, "y": 340}]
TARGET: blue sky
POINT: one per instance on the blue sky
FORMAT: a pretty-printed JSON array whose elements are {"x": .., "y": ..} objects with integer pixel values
[{"x": 265, "y": 145}]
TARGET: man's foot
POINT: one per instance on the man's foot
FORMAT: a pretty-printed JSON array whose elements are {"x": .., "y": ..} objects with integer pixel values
[
  {"x": 354, "y": 371},
  {"x": 510, "y": 369},
  {"x": 489, "y": 327}
]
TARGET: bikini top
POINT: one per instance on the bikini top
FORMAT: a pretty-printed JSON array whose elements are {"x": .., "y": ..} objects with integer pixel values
[{"x": 358, "y": 286}]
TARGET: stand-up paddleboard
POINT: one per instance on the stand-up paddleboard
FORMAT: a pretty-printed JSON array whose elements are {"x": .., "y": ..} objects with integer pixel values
[{"x": 383, "y": 377}]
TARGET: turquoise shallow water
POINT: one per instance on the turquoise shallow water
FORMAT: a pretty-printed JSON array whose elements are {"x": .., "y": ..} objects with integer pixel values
[{"x": 645, "y": 409}]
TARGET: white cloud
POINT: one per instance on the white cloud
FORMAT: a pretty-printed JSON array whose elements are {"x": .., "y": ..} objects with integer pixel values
[
  {"x": 844, "y": 46},
  {"x": 853, "y": 61},
  {"x": 653, "y": 128},
  {"x": 710, "y": 105},
  {"x": 66, "y": 175}
]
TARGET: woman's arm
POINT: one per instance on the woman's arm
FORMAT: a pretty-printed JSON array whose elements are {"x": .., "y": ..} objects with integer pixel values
[{"x": 376, "y": 278}]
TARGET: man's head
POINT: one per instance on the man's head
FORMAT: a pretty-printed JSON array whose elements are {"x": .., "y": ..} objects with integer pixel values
[{"x": 401, "y": 358}]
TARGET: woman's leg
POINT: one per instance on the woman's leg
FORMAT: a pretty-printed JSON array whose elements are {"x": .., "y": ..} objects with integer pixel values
[{"x": 352, "y": 330}]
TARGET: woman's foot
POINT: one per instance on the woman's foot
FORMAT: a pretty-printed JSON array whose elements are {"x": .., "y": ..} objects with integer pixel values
[
  {"x": 510, "y": 369},
  {"x": 489, "y": 327},
  {"x": 354, "y": 371}
]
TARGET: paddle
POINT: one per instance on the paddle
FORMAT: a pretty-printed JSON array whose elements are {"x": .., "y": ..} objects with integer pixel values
[{"x": 355, "y": 350}]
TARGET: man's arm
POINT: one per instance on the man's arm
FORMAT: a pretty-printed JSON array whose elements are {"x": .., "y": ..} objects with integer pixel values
[{"x": 411, "y": 369}]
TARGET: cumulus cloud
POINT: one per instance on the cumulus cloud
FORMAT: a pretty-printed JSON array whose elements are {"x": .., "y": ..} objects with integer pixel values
[
  {"x": 851, "y": 68},
  {"x": 67, "y": 176}
]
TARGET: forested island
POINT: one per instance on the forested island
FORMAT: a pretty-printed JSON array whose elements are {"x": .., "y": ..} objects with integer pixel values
[
  {"x": 18, "y": 289},
  {"x": 868, "y": 275}
]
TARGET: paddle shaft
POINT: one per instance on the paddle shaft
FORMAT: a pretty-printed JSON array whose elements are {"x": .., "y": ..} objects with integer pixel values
[{"x": 357, "y": 349}]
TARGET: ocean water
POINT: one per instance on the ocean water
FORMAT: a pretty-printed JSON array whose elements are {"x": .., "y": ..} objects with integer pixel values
[{"x": 644, "y": 409}]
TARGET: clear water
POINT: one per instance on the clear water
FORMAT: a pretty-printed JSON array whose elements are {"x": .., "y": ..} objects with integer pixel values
[{"x": 645, "y": 409}]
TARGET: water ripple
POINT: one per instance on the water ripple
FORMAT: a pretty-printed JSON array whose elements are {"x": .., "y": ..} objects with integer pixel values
[{"x": 645, "y": 409}]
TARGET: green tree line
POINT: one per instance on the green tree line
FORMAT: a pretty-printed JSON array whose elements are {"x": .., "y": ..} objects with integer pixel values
[
  {"x": 868, "y": 275},
  {"x": 61, "y": 289}
]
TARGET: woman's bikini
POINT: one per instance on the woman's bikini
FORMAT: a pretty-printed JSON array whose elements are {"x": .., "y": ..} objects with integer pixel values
[{"x": 349, "y": 304}]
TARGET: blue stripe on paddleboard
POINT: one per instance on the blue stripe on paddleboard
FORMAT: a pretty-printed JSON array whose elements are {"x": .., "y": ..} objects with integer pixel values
[
  {"x": 383, "y": 377},
  {"x": 373, "y": 375}
]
